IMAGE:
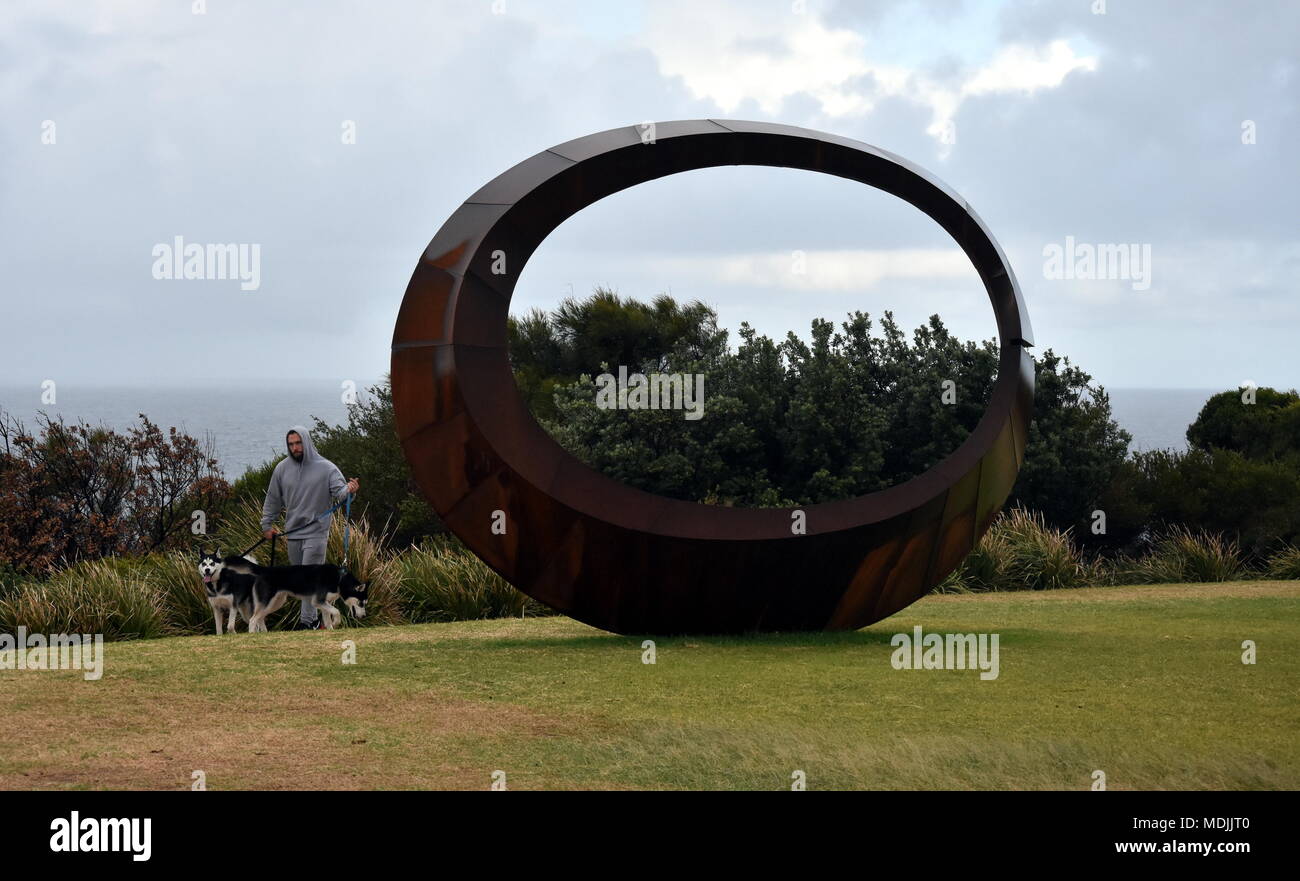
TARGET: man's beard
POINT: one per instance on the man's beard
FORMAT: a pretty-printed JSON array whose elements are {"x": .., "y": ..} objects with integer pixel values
[{"x": 297, "y": 457}]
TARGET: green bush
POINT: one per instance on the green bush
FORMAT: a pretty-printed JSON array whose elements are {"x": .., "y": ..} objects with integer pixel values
[
  {"x": 254, "y": 483},
  {"x": 1223, "y": 491},
  {"x": 850, "y": 410},
  {"x": 1266, "y": 428}
]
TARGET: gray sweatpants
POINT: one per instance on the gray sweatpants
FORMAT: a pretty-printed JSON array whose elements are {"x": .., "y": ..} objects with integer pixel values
[{"x": 304, "y": 552}]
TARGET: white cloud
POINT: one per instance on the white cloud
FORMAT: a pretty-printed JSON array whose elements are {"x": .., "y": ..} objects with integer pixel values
[
  {"x": 1014, "y": 69},
  {"x": 729, "y": 54},
  {"x": 843, "y": 270},
  {"x": 1025, "y": 69}
]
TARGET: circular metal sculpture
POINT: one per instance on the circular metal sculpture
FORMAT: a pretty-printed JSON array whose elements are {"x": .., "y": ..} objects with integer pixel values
[{"x": 629, "y": 561}]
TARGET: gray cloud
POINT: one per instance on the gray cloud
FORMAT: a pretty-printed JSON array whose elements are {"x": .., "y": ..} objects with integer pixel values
[{"x": 226, "y": 128}]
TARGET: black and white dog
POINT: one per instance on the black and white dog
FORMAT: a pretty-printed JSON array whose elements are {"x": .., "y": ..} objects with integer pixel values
[
  {"x": 319, "y": 584},
  {"x": 227, "y": 590}
]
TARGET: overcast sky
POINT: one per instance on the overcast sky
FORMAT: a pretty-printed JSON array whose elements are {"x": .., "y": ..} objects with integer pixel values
[{"x": 125, "y": 125}]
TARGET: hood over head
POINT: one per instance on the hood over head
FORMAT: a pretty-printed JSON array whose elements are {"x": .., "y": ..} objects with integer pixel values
[{"x": 309, "y": 454}]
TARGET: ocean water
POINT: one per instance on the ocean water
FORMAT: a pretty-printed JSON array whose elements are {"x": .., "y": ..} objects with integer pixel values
[
  {"x": 247, "y": 423},
  {"x": 1157, "y": 418}
]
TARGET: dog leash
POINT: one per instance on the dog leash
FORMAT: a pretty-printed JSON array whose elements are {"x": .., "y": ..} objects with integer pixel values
[
  {"x": 347, "y": 522},
  {"x": 339, "y": 504}
]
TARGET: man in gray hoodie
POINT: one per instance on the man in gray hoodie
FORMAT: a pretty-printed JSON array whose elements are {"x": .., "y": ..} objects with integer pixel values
[{"x": 304, "y": 485}]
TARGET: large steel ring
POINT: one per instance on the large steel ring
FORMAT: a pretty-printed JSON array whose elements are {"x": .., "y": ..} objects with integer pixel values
[{"x": 630, "y": 561}]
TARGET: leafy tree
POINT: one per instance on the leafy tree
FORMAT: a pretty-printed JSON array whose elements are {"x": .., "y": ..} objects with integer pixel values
[
  {"x": 1268, "y": 428},
  {"x": 830, "y": 439},
  {"x": 844, "y": 414},
  {"x": 580, "y": 335},
  {"x": 1075, "y": 449},
  {"x": 922, "y": 427},
  {"x": 1255, "y": 500}
]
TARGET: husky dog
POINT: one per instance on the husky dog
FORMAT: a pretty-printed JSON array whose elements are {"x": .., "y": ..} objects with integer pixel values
[
  {"x": 227, "y": 590},
  {"x": 319, "y": 584}
]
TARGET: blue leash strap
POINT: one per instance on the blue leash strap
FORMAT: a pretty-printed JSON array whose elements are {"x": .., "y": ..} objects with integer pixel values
[{"x": 347, "y": 521}]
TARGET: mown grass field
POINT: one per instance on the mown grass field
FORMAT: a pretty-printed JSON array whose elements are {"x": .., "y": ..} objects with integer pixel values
[{"x": 1144, "y": 683}]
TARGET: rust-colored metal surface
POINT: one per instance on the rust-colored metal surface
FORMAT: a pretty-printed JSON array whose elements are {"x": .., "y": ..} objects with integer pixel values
[{"x": 628, "y": 561}]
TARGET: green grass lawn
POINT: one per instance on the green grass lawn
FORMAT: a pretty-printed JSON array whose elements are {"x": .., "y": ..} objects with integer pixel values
[{"x": 1144, "y": 683}]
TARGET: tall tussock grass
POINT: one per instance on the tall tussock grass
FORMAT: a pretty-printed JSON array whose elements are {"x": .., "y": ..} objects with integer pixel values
[
  {"x": 1021, "y": 552},
  {"x": 434, "y": 582},
  {"x": 176, "y": 577},
  {"x": 161, "y": 594},
  {"x": 1183, "y": 555},
  {"x": 92, "y": 596},
  {"x": 1284, "y": 564}
]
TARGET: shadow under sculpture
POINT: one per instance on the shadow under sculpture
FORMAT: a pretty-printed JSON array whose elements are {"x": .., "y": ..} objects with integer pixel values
[{"x": 629, "y": 561}]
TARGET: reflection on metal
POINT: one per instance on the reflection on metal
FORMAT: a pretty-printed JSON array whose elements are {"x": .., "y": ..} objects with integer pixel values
[{"x": 629, "y": 561}]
